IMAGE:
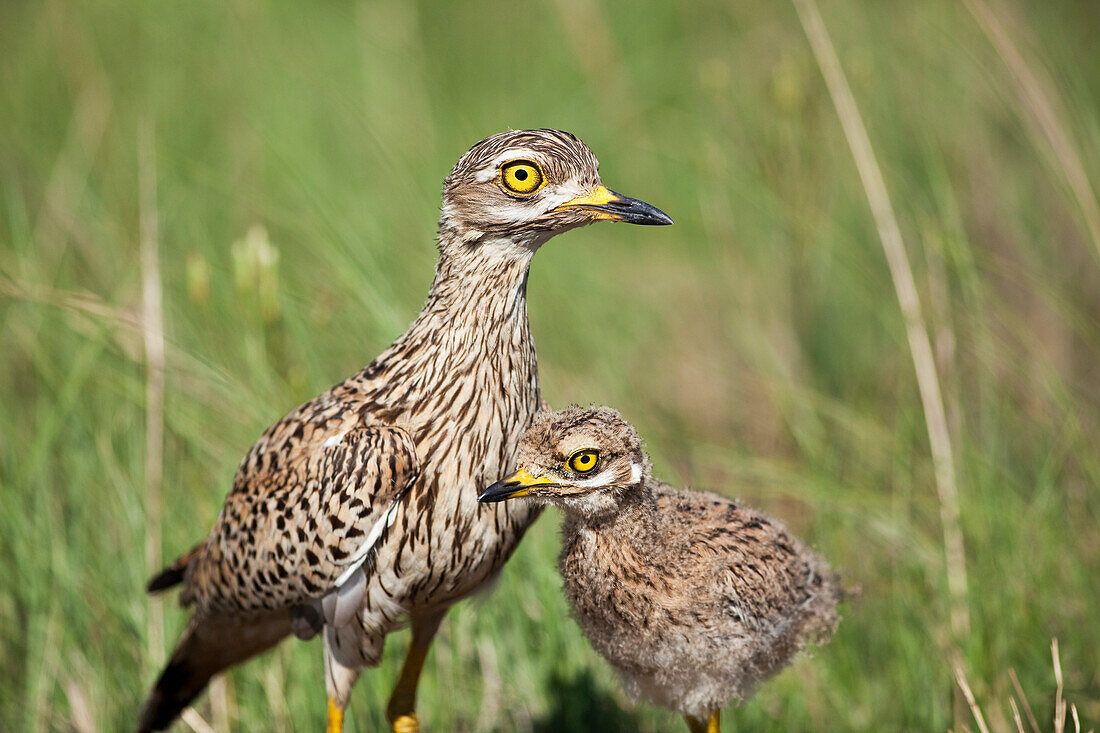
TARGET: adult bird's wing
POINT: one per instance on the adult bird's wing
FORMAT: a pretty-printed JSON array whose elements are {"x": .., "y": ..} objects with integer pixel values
[{"x": 289, "y": 536}]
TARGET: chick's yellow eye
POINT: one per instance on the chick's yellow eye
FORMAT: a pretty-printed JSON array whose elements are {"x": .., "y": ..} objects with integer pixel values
[
  {"x": 584, "y": 461},
  {"x": 521, "y": 176}
]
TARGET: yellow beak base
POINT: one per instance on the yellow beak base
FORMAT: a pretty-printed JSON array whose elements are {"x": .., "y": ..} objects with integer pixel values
[
  {"x": 604, "y": 203},
  {"x": 518, "y": 484}
]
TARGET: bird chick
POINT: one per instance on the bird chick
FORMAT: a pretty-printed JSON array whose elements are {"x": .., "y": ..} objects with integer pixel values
[{"x": 691, "y": 598}]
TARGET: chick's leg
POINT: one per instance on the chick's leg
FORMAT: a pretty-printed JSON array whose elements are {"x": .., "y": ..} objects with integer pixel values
[{"x": 712, "y": 724}]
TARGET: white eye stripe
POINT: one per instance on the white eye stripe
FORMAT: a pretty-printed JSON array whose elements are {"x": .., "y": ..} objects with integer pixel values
[
  {"x": 518, "y": 212},
  {"x": 594, "y": 482}
]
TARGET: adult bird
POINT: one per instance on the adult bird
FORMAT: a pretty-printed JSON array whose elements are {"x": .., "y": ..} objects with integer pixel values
[
  {"x": 359, "y": 509},
  {"x": 691, "y": 598}
]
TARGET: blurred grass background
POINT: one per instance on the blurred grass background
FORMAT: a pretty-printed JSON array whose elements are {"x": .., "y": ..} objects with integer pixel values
[{"x": 293, "y": 155}]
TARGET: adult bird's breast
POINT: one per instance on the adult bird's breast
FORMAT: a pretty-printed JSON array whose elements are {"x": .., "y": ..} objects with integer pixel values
[{"x": 444, "y": 544}]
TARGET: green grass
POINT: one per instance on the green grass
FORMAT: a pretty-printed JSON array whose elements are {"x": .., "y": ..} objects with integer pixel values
[{"x": 757, "y": 344}]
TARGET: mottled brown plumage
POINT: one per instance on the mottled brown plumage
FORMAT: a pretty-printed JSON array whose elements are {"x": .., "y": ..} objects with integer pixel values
[
  {"x": 359, "y": 508},
  {"x": 691, "y": 598},
  {"x": 306, "y": 525}
]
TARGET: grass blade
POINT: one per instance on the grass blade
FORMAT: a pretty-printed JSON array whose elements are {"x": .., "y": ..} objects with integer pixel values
[
  {"x": 905, "y": 287},
  {"x": 153, "y": 332},
  {"x": 960, "y": 678},
  {"x": 1037, "y": 100}
]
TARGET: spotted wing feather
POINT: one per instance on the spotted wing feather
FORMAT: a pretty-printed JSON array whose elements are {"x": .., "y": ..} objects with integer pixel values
[{"x": 290, "y": 536}]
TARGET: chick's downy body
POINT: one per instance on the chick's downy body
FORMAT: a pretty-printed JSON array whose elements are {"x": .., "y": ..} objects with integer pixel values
[
  {"x": 735, "y": 597},
  {"x": 690, "y": 597}
]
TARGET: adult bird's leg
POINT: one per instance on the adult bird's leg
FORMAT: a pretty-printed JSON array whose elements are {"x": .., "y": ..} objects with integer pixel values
[
  {"x": 401, "y": 710},
  {"x": 335, "y": 717},
  {"x": 343, "y": 663},
  {"x": 713, "y": 724}
]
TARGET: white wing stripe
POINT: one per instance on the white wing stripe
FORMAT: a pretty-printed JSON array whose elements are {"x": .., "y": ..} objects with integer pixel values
[{"x": 368, "y": 544}]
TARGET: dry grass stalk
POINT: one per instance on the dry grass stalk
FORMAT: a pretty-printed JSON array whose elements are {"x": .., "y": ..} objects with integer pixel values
[
  {"x": 220, "y": 703},
  {"x": 1060, "y": 704},
  {"x": 194, "y": 721},
  {"x": 1023, "y": 699},
  {"x": 905, "y": 287},
  {"x": 81, "y": 303},
  {"x": 81, "y": 717},
  {"x": 1016, "y": 715},
  {"x": 1037, "y": 100},
  {"x": 153, "y": 333},
  {"x": 960, "y": 677}
]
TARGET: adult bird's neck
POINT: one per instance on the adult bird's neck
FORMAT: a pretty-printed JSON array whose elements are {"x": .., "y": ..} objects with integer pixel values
[
  {"x": 472, "y": 336},
  {"x": 475, "y": 319},
  {"x": 483, "y": 285}
]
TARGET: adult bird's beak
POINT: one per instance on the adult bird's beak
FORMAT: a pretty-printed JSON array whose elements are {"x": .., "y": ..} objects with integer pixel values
[
  {"x": 519, "y": 483},
  {"x": 607, "y": 204}
]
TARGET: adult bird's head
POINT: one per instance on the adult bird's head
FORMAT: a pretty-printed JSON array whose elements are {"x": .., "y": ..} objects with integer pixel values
[
  {"x": 524, "y": 186},
  {"x": 586, "y": 461}
]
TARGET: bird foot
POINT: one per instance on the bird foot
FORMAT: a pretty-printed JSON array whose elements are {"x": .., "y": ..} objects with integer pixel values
[{"x": 406, "y": 723}]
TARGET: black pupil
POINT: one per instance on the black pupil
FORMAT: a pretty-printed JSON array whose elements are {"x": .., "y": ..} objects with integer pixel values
[{"x": 521, "y": 175}]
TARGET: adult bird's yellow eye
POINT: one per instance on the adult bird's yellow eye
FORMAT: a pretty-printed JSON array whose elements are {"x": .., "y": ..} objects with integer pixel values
[
  {"x": 521, "y": 176},
  {"x": 584, "y": 461}
]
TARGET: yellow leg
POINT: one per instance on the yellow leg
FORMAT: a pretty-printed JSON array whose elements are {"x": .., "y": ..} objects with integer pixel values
[
  {"x": 335, "y": 717},
  {"x": 713, "y": 724},
  {"x": 401, "y": 710}
]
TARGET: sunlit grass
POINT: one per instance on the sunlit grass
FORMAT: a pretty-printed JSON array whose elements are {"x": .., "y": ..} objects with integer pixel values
[{"x": 757, "y": 344}]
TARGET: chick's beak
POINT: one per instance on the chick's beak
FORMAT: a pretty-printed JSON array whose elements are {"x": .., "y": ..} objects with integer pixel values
[
  {"x": 606, "y": 204},
  {"x": 519, "y": 483}
]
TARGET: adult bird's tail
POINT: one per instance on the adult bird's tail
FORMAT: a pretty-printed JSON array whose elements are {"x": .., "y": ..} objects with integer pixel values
[
  {"x": 175, "y": 573},
  {"x": 209, "y": 645}
]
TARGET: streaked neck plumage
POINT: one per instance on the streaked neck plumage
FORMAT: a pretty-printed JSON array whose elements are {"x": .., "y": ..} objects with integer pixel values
[
  {"x": 466, "y": 367},
  {"x": 483, "y": 285}
]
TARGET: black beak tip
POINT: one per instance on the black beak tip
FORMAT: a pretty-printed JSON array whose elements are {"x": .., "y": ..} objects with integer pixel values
[
  {"x": 497, "y": 492},
  {"x": 660, "y": 218},
  {"x": 634, "y": 211}
]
